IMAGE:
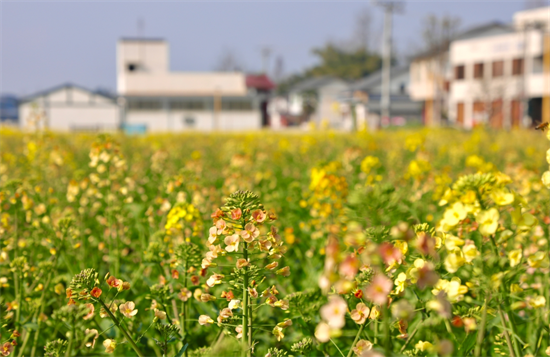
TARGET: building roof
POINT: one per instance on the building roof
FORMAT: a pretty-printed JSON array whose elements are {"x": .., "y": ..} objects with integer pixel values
[
  {"x": 374, "y": 79},
  {"x": 142, "y": 39},
  {"x": 314, "y": 83},
  {"x": 259, "y": 81},
  {"x": 488, "y": 29},
  {"x": 63, "y": 86}
]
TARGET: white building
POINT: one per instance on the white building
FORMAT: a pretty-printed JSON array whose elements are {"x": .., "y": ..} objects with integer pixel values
[
  {"x": 498, "y": 80},
  {"x": 160, "y": 100},
  {"x": 69, "y": 108},
  {"x": 490, "y": 75},
  {"x": 151, "y": 98}
]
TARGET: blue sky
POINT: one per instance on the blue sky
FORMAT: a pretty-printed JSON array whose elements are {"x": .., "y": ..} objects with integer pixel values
[{"x": 43, "y": 44}]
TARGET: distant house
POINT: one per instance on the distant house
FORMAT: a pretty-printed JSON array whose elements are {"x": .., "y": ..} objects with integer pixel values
[
  {"x": 69, "y": 108},
  {"x": 499, "y": 79},
  {"x": 317, "y": 100},
  {"x": 367, "y": 94},
  {"x": 161, "y": 100},
  {"x": 9, "y": 113}
]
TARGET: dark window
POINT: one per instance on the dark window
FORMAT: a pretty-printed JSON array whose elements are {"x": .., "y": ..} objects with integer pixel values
[
  {"x": 459, "y": 72},
  {"x": 189, "y": 121},
  {"x": 132, "y": 67},
  {"x": 402, "y": 88},
  {"x": 537, "y": 64},
  {"x": 478, "y": 70},
  {"x": 237, "y": 104},
  {"x": 498, "y": 69},
  {"x": 187, "y": 105},
  {"x": 517, "y": 66},
  {"x": 144, "y": 104}
]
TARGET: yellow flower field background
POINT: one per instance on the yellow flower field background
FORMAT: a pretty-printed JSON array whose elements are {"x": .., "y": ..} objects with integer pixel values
[{"x": 425, "y": 242}]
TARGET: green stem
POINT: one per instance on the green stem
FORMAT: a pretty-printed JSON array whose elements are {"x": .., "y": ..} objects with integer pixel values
[
  {"x": 350, "y": 353},
  {"x": 245, "y": 346},
  {"x": 25, "y": 341},
  {"x": 71, "y": 340},
  {"x": 506, "y": 335},
  {"x": 481, "y": 332},
  {"x": 126, "y": 334},
  {"x": 40, "y": 312},
  {"x": 387, "y": 334}
]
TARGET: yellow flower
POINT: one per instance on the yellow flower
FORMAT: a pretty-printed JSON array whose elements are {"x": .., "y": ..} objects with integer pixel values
[
  {"x": 546, "y": 179},
  {"x": 452, "y": 242},
  {"x": 454, "y": 214},
  {"x": 515, "y": 288},
  {"x": 538, "y": 260},
  {"x": 488, "y": 221},
  {"x": 400, "y": 282},
  {"x": 502, "y": 197},
  {"x": 455, "y": 291},
  {"x": 454, "y": 260},
  {"x": 402, "y": 246},
  {"x": 515, "y": 257},
  {"x": 537, "y": 302},
  {"x": 470, "y": 252},
  {"x": 424, "y": 346}
]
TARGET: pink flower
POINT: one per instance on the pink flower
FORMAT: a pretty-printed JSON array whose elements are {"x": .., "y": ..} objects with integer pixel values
[
  {"x": 232, "y": 243},
  {"x": 220, "y": 225},
  {"x": 284, "y": 272},
  {"x": 128, "y": 309},
  {"x": 225, "y": 314},
  {"x": 349, "y": 267},
  {"x": 89, "y": 333},
  {"x": 7, "y": 348},
  {"x": 205, "y": 319},
  {"x": 215, "y": 279},
  {"x": 259, "y": 216},
  {"x": 90, "y": 313},
  {"x": 362, "y": 346},
  {"x": 110, "y": 345},
  {"x": 161, "y": 315},
  {"x": 236, "y": 214},
  {"x": 253, "y": 293},
  {"x": 239, "y": 331},
  {"x": 241, "y": 263},
  {"x": 272, "y": 266},
  {"x": 378, "y": 289},
  {"x": 96, "y": 292},
  {"x": 283, "y": 304},
  {"x": 249, "y": 233},
  {"x": 390, "y": 254},
  {"x": 360, "y": 314},
  {"x": 184, "y": 294},
  {"x": 335, "y": 311}
]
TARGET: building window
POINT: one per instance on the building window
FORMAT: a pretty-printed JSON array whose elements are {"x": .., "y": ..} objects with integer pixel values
[
  {"x": 478, "y": 70},
  {"x": 237, "y": 104},
  {"x": 132, "y": 67},
  {"x": 187, "y": 105},
  {"x": 402, "y": 88},
  {"x": 144, "y": 104},
  {"x": 459, "y": 72},
  {"x": 460, "y": 113},
  {"x": 498, "y": 69},
  {"x": 189, "y": 122},
  {"x": 517, "y": 66},
  {"x": 537, "y": 64}
]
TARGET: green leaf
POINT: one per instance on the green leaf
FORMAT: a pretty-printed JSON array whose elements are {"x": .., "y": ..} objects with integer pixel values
[{"x": 180, "y": 352}]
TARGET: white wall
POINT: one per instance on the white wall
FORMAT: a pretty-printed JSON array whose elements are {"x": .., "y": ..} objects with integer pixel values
[
  {"x": 182, "y": 84},
  {"x": 164, "y": 121},
  {"x": 71, "y": 108}
]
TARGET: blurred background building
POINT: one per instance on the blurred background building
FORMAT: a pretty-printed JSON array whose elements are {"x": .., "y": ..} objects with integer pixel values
[{"x": 495, "y": 74}]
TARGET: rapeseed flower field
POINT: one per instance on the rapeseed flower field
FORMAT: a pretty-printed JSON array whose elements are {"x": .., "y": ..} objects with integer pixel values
[{"x": 425, "y": 242}]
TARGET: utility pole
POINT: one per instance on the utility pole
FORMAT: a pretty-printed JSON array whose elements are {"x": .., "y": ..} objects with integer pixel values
[
  {"x": 266, "y": 53},
  {"x": 385, "y": 103}
]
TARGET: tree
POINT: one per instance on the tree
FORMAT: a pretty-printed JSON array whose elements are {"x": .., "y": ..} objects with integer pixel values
[
  {"x": 229, "y": 62},
  {"x": 437, "y": 33}
]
